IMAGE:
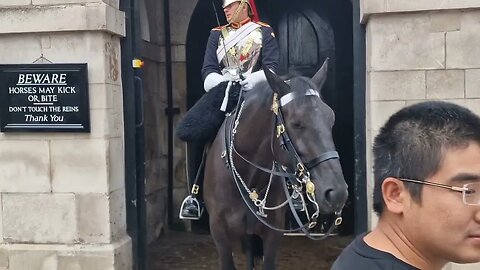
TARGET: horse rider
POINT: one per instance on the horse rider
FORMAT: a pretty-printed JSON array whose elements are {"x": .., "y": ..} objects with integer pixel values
[{"x": 235, "y": 52}]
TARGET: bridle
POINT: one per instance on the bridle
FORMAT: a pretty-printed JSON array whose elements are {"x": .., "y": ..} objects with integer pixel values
[
  {"x": 286, "y": 142},
  {"x": 299, "y": 177}
]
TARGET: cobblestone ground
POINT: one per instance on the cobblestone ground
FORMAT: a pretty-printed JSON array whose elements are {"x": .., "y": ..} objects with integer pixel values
[{"x": 177, "y": 250}]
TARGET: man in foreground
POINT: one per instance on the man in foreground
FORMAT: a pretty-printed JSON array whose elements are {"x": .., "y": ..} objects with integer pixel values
[{"x": 426, "y": 194}]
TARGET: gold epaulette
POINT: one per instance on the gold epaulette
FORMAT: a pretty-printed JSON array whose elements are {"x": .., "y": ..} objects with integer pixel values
[{"x": 263, "y": 24}]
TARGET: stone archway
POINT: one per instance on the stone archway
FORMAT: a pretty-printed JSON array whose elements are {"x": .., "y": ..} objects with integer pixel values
[{"x": 330, "y": 28}]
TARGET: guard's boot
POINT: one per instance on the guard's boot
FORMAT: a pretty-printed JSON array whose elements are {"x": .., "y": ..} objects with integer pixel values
[{"x": 191, "y": 208}]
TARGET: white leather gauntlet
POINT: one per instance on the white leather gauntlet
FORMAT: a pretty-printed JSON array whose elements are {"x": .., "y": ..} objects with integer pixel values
[
  {"x": 213, "y": 79},
  {"x": 252, "y": 79}
]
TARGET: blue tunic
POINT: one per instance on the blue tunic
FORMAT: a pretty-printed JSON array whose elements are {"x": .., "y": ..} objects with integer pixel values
[{"x": 269, "y": 54}]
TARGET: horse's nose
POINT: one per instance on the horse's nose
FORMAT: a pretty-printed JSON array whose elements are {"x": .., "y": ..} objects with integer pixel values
[{"x": 336, "y": 197}]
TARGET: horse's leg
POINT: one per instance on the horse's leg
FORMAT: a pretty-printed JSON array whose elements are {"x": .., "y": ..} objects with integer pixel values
[
  {"x": 250, "y": 260},
  {"x": 248, "y": 246},
  {"x": 271, "y": 240},
  {"x": 249, "y": 253},
  {"x": 226, "y": 257},
  {"x": 219, "y": 227},
  {"x": 223, "y": 243}
]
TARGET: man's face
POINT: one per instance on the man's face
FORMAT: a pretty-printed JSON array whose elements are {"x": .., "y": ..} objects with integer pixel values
[
  {"x": 441, "y": 226},
  {"x": 231, "y": 10}
]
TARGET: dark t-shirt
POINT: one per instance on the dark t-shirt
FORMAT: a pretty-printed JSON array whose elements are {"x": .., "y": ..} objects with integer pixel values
[{"x": 360, "y": 256}]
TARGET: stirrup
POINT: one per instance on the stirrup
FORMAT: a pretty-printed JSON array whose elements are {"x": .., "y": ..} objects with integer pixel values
[{"x": 199, "y": 209}]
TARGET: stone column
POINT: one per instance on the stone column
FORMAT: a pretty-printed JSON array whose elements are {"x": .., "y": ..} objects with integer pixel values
[
  {"x": 62, "y": 194},
  {"x": 416, "y": 51},
  {"x": 181, "y": 12}
]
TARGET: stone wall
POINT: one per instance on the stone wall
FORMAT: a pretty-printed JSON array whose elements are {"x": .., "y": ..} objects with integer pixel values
[
  {"x": 62, "y": 194},
  {"x": 155, "y": 86},
  {"x": 416, "y": 51},
  {"x": 155, "y": 104},
  {"x": 180, "y": 14}
]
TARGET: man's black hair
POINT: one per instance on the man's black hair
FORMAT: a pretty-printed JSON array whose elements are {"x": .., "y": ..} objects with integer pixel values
[{"x": 413, "y": 141}]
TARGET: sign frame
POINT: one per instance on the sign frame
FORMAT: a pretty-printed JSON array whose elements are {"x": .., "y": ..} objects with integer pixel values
[{"x": 72, "y": 107}]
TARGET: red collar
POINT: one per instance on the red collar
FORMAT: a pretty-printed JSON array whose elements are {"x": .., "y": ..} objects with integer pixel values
[{"x": 240, "y": 24}]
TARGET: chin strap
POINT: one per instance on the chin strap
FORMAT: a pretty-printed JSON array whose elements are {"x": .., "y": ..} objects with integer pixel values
[
  {"x": 237, "y": 11},
  {"x": 218, "y": 22}
]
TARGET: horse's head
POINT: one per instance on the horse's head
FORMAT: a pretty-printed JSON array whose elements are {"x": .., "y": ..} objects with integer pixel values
[{"x": 308, "y": 123}]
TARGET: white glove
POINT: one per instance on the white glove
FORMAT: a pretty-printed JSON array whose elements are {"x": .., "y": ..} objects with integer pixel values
[
  {"x": 213, "y": 79},
  {"x": 252, "y": 79}
]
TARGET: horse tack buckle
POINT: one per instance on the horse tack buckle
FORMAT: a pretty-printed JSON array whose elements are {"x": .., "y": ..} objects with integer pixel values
[
  {"x": 195, "y": 189},
  {"x": 275, "y": 105},
  {"x": 280, "y": 130},
  {"x": 300, "y": 170}
]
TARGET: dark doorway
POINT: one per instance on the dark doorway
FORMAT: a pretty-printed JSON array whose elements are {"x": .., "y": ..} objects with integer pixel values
[{"x": 308, "y": 31}]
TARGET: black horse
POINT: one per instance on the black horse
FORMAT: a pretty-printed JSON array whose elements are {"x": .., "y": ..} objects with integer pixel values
[{"x": 281, "y": 127}]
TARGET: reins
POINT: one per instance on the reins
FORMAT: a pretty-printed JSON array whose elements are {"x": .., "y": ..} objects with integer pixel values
[{"x": 299, "y": 178}]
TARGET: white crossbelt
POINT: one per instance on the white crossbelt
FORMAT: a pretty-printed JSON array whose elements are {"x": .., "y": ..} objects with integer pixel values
[{"x": 234, "y": 38}]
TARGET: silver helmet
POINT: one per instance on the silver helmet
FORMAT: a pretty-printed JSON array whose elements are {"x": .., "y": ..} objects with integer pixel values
[{"x": 228, "y": 2}]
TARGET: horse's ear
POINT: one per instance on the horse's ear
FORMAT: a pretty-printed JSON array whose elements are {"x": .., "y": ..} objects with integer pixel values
[
  {"x": 276, "y": 83},
  {"x": 321, "y": 76}
]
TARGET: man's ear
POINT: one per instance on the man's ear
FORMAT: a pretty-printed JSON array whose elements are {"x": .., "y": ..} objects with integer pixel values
[{"x": 395, "y": 195}]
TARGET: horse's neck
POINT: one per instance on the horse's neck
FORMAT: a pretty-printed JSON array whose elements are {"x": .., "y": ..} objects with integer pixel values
[{"x": 255, "y": 124}]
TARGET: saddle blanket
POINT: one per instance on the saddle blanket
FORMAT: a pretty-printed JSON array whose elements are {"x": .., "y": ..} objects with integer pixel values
[{"x": 202, "y": 121}]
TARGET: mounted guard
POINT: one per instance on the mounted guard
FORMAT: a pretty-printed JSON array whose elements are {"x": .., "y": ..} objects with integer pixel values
[{"x": 234, "y": 57}]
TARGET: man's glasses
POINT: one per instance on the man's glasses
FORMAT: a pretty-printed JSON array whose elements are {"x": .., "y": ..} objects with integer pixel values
[{"x": 471, "y": 191}]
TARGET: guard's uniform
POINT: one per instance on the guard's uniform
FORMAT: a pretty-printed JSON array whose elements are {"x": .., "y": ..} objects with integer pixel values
[
  {"x": 244, "y": 47},
  {"x": 248, "y": 53}
]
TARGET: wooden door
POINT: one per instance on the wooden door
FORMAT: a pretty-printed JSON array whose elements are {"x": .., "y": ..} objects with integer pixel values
[{"x": 309, "y": 31}]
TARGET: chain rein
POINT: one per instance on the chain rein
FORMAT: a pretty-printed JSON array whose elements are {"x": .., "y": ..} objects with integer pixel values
[
  {"x": 260, "y": 214},
  {"x": 253, "y": 195},
  {"x": 301, "y": 175}
]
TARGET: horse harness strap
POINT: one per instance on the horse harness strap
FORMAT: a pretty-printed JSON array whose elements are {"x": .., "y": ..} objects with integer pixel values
[
  {"x": 262, "y": 218},
  {"x": 338, "y": 221},
  {"x": 301, "y": 175},
  {"x": 247, "y": 195},
  {"x": 323, "y": 157},
  {"x": 291, "y": 96},
  {"x": 286, "y": 142},
  {"x": 232, "y": 122},
  {"x": 263, "y": 169}
]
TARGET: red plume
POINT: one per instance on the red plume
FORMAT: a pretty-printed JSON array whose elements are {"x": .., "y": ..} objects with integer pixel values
[{"x": 255, "y": 17}]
